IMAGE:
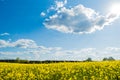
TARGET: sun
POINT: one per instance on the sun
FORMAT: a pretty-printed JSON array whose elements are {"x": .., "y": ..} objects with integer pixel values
[{"x": 115, "y": 9}]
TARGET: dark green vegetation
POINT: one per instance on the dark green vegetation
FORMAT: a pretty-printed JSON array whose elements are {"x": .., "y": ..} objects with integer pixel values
[{"x": 18, "y": 60}]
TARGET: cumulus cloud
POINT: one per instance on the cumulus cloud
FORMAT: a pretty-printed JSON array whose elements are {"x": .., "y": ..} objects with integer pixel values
[
  {"x": 77, "y": 54},
  {"x": 113, "y": 49},
  {"x": 3, "y": 43},
  {"x": 24, "y": 43},
  {"x": 58, "y": 53},
  {"x": 28, "y": 49},
  {"x": 4, "y": 34},
  {"x": 78, "y": 19},
  {"x": 60, "y": 4},
  {"x": 21, "y": 43}
]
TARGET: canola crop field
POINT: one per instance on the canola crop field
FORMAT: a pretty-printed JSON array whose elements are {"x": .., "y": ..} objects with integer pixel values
[{"x": 61, "y": 71}]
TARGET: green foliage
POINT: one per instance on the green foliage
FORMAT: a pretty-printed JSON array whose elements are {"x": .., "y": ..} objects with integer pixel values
[
  {"x": 108, "y": 59},
  {"x": 89, "y": 60},
  {"x": 18, "y": 60}
]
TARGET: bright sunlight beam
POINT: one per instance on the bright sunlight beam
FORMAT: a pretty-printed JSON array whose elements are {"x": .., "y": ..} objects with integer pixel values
[{"x": 115, "y": 9}]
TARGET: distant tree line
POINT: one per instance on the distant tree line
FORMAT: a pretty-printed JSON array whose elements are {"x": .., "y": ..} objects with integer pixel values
[
  {"x": 108, "y": 59},
  {"x": 18, "y": 60},
  {"x": 104, "y": 59}
]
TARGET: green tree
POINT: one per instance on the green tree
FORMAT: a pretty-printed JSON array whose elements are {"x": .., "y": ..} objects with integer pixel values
[
  {"x": 105, "y": 59},
  {"x": 108, "y": 59},
  {"x": 18, "y": 59},
  {"x": 111, "y": 59},
  {"x": 89, "y": 59}
]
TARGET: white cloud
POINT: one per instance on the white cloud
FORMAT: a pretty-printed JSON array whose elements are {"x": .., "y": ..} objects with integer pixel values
[
  {"x": 42, "y": 14},
  {"x": 78, "y": 19},
  {"x": 4, "y": 34},
  {"x": 28, "y": 49},
  {"x": 21, "y": 43},
  {"x": 60, "y": 4},
  {"x": 3, "y": 43},
  {"x": 113, "y": 49},
  {"x": 24, "y": 43}
]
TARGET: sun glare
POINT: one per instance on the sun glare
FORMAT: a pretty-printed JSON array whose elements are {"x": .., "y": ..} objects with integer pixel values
[{"x": 115, "y": 9}]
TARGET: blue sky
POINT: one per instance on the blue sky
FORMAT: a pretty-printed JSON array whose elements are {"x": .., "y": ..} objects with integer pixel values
[{"x": 59, "y": 29}]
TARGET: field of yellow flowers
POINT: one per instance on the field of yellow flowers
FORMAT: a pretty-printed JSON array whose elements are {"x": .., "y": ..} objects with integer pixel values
[{"x": 61, "y": 71}]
